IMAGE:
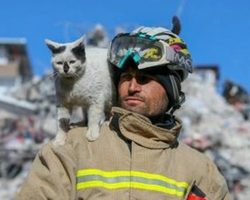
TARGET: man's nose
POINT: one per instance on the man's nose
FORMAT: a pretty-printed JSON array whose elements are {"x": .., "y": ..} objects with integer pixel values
[{"x": 134, "y": 86}]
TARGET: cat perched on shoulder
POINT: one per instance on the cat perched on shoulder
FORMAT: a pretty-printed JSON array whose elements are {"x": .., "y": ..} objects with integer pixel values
[{"x": 82, "y": 78}]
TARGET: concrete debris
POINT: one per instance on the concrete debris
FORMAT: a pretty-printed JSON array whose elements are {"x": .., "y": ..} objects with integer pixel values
[
  {"x": 211, "y": 124},
  {"x": 237, "y": 96},
  {"x": 217, "y": 128}
]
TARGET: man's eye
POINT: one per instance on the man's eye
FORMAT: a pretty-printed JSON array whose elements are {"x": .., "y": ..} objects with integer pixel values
[
  {"x": 126, "y": 76},
  {"x": 143, "y": 79}
]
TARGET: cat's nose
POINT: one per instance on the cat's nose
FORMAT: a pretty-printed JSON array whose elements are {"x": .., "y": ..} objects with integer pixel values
[{"x": 65, "y": 67}]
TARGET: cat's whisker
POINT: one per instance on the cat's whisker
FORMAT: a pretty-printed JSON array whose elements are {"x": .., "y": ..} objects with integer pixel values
[
  {"x": 76, "y": 75},
  {"x": 55, "y": 74},
  {"x": 55, "y": 78},
  {"x": 50, "y": 75},
  {"x": 77, "y": 84}
]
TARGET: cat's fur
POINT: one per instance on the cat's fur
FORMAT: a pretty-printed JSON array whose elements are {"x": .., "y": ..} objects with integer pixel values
[{"x": 82, "y": 78}]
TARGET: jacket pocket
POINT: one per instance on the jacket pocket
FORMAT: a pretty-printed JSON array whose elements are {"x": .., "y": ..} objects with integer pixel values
[
  {"x": 189, "y": 189},
  {"x": 195, "y": 193}
]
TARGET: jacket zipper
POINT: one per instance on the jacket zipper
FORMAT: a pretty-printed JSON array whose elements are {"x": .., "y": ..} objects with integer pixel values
[{"x": 131, "y": 158}]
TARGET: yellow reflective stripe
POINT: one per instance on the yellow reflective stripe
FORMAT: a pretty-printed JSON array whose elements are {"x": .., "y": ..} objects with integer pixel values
[
  {"x": 88, "y": 178},
  {"x": 85, "y": 172},
  {"x": 159, "y": 177},
  {"x": 158, "y": 189},
  {"x": 130, "y": 173},
  {"x": 134, "y": 185},
  {"x": 90, "y": 184}
]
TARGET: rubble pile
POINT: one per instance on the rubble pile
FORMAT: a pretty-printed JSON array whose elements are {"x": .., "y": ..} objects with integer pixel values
[
  {"x": 217, "y": 128},
  {"x": 210, "y": 124},
  {"x": 27, "y": 120},
  {"x": 41, "y": 93},
  {"x": 237, "y": 96}
]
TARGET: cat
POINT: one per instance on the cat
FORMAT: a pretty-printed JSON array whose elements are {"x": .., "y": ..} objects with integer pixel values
[{"x": 82, "y": 78}]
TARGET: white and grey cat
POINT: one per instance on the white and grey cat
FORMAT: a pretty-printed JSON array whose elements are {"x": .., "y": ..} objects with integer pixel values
[{"x": 82, "y": 78}]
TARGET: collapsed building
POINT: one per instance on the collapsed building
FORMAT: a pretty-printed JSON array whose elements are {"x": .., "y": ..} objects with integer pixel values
[
  {"x": 217, "y": 128},
  {"x": 28, "y": 119}
]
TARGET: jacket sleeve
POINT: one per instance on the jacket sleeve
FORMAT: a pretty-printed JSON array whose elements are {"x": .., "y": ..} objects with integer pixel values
[
  {"x": 52, "y": 175},
  {"x": 216, "y": 185}
]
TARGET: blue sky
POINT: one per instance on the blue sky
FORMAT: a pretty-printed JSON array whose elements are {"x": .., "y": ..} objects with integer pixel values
[{"x": 216, "y": 31}]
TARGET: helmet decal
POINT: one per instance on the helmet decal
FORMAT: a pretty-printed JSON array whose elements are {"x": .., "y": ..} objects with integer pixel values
[
  {"x": 152, "y": 54},
  {"x": 157, "y": 50},
  {"x": 152, "y": 47}
]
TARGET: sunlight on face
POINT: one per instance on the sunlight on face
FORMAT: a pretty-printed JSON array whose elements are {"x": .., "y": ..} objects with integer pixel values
[{"x": 142, "y": 93}]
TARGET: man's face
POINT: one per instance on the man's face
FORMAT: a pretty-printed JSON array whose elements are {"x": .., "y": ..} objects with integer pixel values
[{"x": 141, "y": 93}]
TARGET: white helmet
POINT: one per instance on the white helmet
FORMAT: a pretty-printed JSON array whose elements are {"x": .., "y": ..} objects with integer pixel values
[
  {"x": 151, "y": 47},
  {"x": 158, "y": 51}
]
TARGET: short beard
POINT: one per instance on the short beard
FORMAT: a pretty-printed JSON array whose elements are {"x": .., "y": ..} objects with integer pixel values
[{"x": 160, "y": 108}]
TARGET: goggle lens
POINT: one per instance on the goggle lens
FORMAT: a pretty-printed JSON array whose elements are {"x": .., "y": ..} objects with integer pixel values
[{"x": 140, "y": 49}]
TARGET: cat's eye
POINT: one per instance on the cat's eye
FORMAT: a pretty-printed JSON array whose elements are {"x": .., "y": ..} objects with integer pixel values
[
  {"x": 72, "y": 62},
  {"x": 59, "y": 63}
]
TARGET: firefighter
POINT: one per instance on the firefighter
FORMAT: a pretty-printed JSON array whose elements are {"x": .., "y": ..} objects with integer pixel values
[{"x": 138, "y": 154}]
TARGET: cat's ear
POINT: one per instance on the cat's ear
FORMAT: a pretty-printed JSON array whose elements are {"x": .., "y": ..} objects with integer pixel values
[
  {"x": 176, "y": 25},
  {"x": 78, "y": 47},
  {"x": 54, "y": 46}
]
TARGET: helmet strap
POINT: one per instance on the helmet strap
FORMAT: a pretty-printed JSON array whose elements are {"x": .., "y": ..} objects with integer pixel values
[{"x": 177, "y": 105}]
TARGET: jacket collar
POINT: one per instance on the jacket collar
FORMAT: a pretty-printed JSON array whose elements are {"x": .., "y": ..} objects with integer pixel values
[{"x": 139, "y": 129}]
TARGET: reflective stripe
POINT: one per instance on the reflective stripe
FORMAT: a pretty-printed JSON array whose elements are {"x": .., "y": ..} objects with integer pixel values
[{"x": 88, "y": 178}]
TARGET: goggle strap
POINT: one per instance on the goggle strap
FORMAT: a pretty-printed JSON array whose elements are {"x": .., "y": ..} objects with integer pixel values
[
  {"x": 170, "y": 55},
  {"x": 123, "y": 60},
  {"x": 150, "y": 37},
  {"x": 135, "y": 56}
]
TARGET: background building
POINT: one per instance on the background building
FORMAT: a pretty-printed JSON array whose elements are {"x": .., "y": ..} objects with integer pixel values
[{"x": 15, "y": 67}]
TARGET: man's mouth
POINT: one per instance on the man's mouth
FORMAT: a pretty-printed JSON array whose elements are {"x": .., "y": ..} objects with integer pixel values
[{"x": 133, "y": 101}]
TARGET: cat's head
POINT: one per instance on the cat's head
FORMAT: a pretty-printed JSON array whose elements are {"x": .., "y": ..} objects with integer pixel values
[{"x": 68, "y": 59}]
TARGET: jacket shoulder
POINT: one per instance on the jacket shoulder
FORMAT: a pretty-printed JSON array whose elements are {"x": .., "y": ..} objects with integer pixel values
[
  {"x": 205, "y": 172},
  {"x": 77, "y": 135},
  {"x": 198, "y": 163},
  {"x": 193, "y": 154}
]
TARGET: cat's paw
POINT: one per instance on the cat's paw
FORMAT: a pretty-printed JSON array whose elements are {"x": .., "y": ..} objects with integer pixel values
[
  {"x": 64, "y": 124},
  {"x": 93, "y": 133},
  {"x": 59, "y": 140}
]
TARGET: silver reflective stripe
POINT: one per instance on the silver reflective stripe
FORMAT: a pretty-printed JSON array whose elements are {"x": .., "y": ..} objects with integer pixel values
[
  {"x": 128, "y": 179},
  {"x": 91, "y": 178}
]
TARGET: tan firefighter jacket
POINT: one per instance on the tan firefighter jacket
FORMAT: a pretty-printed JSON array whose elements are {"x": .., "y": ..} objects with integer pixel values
[{"x": 131, "y": 160}]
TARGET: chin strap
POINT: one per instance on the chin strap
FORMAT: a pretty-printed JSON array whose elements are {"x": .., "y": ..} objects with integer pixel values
[{"x": 176, "y": 106}]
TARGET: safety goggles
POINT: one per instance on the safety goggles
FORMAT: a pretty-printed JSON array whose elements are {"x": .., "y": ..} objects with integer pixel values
[{"x": 146, "y": 51}]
